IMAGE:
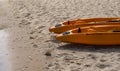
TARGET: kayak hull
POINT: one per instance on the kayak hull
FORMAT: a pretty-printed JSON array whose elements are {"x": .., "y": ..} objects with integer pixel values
[
  {"x": 95, "y": 35},
  {"x": 91, "y": 38}
]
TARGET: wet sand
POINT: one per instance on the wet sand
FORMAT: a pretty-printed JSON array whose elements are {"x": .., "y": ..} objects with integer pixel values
[
  {"x": 27, "y": 45},
  {"x": 4, "y": 57}
]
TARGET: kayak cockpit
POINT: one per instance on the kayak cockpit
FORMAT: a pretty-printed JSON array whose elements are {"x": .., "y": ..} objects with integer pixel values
[{"x": 103, "y": 28}]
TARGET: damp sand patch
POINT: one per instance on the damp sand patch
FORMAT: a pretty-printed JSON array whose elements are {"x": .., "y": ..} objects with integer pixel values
[
  {"x": 4, "y": 58},
  {"x": 2, "y": 27}
]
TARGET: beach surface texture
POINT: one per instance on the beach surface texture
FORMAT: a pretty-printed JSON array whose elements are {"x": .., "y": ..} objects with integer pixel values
[{"x": 27, "y": 45}]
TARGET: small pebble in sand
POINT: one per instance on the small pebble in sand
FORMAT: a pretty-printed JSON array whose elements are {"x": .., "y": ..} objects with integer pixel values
[
  {"x": 30, "y": 57},
  {"x": 26, "y": 67},
  {"x": 73, "y": 52},
  {"x": 67, "y": 58},
  {"x": 40, "y": 31},
  {"x": 35, "y": 45},
  {"x": 91, "y": 56},
  {"x": 26, "y": 14},
  {"x": 17, "y": 17},
  {"x": 31, "y": 37},
  {"x": 48, "y": 54},
  {"x": 32, "y": 32},
  {"x": 50, "y": 65},
  {"x": 72, "y": 62},
  {"x": 102, "y": 60},
  {"x": 78, "y": 63},
  {"x": 87, "y": 65}
]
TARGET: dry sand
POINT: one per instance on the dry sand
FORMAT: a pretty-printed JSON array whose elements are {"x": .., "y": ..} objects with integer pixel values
[{"x": 31, "y": 47}]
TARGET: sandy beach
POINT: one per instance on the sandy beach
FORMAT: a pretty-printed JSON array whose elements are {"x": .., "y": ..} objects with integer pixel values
[{"x": 27, "y": 45}]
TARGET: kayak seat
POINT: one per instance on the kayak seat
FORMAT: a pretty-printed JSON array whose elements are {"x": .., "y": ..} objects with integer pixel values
[
  {"x": 58, "y": 25},
  {"x": 66, "y": 33},
  {"x": 116, "y": 31},
  {"x": 114, "y": 21}
]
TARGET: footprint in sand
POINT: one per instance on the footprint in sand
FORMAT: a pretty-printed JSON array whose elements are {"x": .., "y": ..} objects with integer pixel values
[
  {"x": 92, "y": 56},
  {"x": 25, "y": 22},
  {"x": 102, "y": 66},
  {"x": 26, "y": 14}
]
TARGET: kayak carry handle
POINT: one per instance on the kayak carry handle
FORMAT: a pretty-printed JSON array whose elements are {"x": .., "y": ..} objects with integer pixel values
[
  {"x": 68, "y": 22},
  {"x": 79, "y": 30}
]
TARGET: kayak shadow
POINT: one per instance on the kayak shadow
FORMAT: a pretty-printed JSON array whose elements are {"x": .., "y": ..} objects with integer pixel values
[{"x": 90, "y": 48}]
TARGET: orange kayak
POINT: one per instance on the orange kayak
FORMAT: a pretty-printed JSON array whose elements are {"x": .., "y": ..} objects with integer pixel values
[
  {"x": 65, "y": 26},
  {"x": 95, "y": 35}
]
